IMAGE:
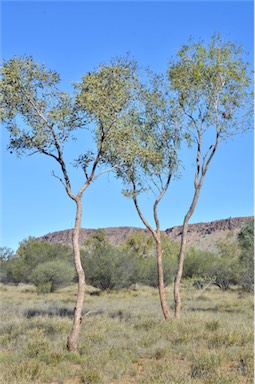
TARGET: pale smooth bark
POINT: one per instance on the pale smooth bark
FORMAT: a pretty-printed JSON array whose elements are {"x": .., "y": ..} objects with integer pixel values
[
  {"x": 198, "y": 182},
  {"x": 161, "y": 286},
  {"x": 77, "y": 319},
  {"x": 178, "y": 276},
  {"x": 156, "y": 236}
]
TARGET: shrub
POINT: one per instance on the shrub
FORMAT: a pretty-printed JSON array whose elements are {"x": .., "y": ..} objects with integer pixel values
[
  {"x": 51, "y": 275},
  {"x": 196, "y": 263},
  {"x": 246, "y": 259},
  {"x": 148, "y": 274},
  {"x": 109, "y": 267},
  {"x": 222, "y": 270}
]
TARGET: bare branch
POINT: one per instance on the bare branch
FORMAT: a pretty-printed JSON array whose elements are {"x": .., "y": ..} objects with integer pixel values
[
  {"x": 59, "y": 178},
  {"x": 145, "y": 222},
  {"x": 159, "y": 199}
]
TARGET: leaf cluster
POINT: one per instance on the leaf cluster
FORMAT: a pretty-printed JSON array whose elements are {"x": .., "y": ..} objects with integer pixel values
[
  {"x": 213, "y": 85},
  {"x": 38, "y": 116},
  {"x": 40, "y": 263}
]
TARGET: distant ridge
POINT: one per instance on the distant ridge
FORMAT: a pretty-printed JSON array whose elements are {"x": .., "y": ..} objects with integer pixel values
[{"x": 203, "y": 236}]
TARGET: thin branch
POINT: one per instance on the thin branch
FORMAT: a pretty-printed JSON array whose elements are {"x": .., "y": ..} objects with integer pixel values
[
  {"x": 145, "y": 222},
  {"x": 106, "y": 171},
  {"x": 59, "y": 159},
  {"x": 159, "y": 199},
  {"x": 207, "y": 162},
  {"x": 59, "y": 178}
]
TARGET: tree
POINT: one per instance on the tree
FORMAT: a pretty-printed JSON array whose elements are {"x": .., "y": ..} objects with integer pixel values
[
  {"x": 146, "y": 149},
  {"x": 6, "y": 253},
  {"x": 51, "y": 275},
  {"x": 32, "y": 254},
  {"x": 108, "y": 267},
  {"x": 41, "y": 119},
  {"x": 246, "y": 258},
  {"x": 212, "y": 84},
  {"x": 140, "y": 243}
]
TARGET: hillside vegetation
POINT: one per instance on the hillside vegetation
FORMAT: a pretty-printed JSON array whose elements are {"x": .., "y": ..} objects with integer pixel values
[
  {"x": 202, "y": 236},
  {"x": 50, "y": 266}
]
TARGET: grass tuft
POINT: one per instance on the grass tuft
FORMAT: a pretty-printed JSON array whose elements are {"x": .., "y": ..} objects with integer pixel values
[{"x": 124, "y": 338}]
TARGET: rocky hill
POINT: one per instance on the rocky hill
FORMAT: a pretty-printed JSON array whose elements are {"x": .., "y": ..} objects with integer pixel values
[{"x": 203, "y": 236}]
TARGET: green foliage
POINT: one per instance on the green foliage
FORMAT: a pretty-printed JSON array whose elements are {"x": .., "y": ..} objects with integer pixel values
[
  {"x": 40, "y": 263},
  {"x": 148, "y": 274},
  {"x": 228, "y": 248},
  {"x": 133, "y": 261},
  {"x": 224, "y": 271},
  {"x": 141, "y": 244},
  {"x": 34, "y": 111},
  {"x": 246, "y": 259},
  {"x": 145, "y": 147},
  {"x": 106, "y": 92},
  {"x": 12, "y": 271},
  {"x": 246, "y": 237},
  {"x": 196, "y": 263},
  {"x": 6, "y": 253},
  {"x": 34, "y": 252},
  {"x": 106, "y": 266},
  {"x": 207, "y": 267},
  {"x": 51, "y": 275},
  {"x": 213, "y": 85}
]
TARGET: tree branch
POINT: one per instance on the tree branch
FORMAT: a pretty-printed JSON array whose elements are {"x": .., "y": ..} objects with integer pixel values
[{"x": 145, "y": 222}]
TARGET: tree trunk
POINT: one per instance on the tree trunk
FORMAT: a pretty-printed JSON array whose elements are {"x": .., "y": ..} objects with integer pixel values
[
  {"x": 178, "y": 276},
  {"x": 72, "y": 340},
  {"x": 198, "y": 182},
  {"x": 162, "y": 294}
]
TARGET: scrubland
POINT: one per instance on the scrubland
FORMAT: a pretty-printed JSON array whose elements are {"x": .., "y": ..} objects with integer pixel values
[{"x": 124, "y": 338}]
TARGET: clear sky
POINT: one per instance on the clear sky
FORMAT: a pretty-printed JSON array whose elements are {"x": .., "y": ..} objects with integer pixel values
[{"x": 73, "y": 38}]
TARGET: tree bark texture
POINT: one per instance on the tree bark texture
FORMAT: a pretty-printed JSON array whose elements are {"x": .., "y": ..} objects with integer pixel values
[
  {"x": 162, "y": 293},
  {"x": 178, "y": 276},
  {"x": 198, "y": 182},
  {"x": 72, "y": 341},
  {"x": 156, "y": 237}
]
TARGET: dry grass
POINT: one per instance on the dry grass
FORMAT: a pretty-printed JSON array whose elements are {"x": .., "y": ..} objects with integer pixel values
[{"x": 124, "y": 338}]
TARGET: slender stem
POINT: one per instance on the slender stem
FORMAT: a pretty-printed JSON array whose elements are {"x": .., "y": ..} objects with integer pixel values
[
  {"x": 73, "y": 338},
  {"x": 157, "y": 238},
  {"x": 198, "y": 182}
]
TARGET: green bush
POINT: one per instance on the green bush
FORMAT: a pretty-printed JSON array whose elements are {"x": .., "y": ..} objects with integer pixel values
[
  {"x": 52, "y": 275},
  {"x": 148, "y": 273},
  {"x": 222, "y": 270},
  {"x": 246, "y": 259},
  {"x": 109, "y": 267},
  {"x": 30, "y": 255},
  {"x": 43, "y": 288},
  {"x": 14, "y": 271},
  {"x": 197, "y": 263}
]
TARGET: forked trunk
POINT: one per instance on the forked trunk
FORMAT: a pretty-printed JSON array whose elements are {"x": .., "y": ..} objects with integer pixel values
[
  {"x": 162, "y": 293},
  {"x": 198, "y": 185},
  {"x": 72, "y": 340}
]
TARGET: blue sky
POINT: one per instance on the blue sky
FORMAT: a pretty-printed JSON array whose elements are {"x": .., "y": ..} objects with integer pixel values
[{"x": 73, "y": 38}]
